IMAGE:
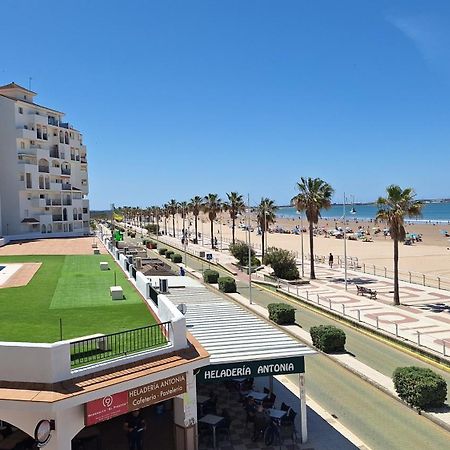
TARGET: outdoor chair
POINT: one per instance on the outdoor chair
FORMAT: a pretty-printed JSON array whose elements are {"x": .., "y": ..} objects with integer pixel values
[
  {"x": 284, "y": 407},
  {"x": 270, "y": 401}
]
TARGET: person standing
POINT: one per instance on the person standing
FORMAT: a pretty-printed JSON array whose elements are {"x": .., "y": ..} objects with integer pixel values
[
  {"x": 330, "y": 260},
  {"x": 135, "y": 427}
]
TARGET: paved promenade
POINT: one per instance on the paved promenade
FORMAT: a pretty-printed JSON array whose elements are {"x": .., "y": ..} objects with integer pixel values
[{"x": 423, "y": 318}]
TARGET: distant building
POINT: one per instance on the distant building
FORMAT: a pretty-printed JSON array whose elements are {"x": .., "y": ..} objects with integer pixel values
[{"x": 43, "y": 169}]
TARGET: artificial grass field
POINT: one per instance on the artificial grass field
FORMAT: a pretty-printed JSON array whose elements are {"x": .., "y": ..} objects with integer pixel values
[{"x": 74, "y": 289}]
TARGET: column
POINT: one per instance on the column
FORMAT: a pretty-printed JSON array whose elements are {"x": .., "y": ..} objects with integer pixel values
[
  {"x": 185, "y": 416},
  {"x": 303, "y": 417}
]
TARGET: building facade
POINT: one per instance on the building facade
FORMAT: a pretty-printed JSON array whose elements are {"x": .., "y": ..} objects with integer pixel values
[{"x": 43, "y": 170}]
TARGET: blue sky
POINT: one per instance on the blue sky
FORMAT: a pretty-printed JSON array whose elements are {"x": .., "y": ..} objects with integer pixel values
[{"x": 182, "y": 98}]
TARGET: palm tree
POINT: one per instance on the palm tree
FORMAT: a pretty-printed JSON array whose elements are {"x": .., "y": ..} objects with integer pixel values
[
  {"x": 195, "y": 206},
  {"x": 235, "y": 206},
  {"x": 265, "y": 215},
  {"x": 166, "y": 214},
  {"x": 173, "y": 209},
  {"x": 212, "y": 205},
  {"x": 157, "y": 211},
  {"x": 314, "y": 195},
  {"x": 393, "y": 209},
  {"x": 184, "y": 209}
]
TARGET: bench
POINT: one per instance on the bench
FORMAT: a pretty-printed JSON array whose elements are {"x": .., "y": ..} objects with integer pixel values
[{"x": 361, "y": 290}]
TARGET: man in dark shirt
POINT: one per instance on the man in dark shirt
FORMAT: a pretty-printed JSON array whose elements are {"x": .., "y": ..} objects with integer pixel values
[{"x": 135, "y": 427}]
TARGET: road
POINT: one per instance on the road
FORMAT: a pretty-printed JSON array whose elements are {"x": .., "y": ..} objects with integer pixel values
[{"x": 376, "y": 418}]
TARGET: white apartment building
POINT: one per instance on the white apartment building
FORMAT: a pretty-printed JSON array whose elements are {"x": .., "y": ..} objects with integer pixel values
[{"x": 43, "y": 170}]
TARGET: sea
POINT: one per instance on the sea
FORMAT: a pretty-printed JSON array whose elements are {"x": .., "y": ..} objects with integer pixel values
[{"x": 431, "y": 212}]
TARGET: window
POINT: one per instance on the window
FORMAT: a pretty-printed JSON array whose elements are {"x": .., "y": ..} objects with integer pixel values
[
  {"x": 44, "y": 133},
  {"x": 20, "y": 110},
  {"x": 22, "y": 145}
]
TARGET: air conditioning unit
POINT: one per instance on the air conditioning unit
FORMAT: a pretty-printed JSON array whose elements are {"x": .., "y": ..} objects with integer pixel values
[{"x": 163, "y": 285}]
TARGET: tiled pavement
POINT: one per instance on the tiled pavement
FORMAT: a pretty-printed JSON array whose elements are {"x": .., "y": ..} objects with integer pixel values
[{"x": 423, "y": 317}]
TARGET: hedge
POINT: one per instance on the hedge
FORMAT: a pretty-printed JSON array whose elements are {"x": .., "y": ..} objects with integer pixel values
[
  {"x": 281, "y": 313},
  {"x": 328, "y": 338},
  {"x": 176, "y": 257},
  {"x": 169, "y": 253},
  {"x": 420, "y": 387},
  {"x": 162, "y": 251},
  {"x": 227, "y": 284},
  {"x": 210, "y": 276}
]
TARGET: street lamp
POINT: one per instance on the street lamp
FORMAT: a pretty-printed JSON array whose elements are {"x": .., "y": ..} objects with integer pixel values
[
  {"x": 301, "y": 234},
  {"x": 353, "y": 211},
  {"x": 249, "y": 254}
]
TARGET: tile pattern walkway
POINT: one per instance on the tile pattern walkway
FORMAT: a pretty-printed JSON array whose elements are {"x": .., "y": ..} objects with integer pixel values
[{"x": 22, "y": 276}]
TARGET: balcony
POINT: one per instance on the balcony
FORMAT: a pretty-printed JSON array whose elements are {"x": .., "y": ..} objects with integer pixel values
[
  {"x": 40, "y": 202},
  {"x": 44, "y": 169},
  {"x": 24, "y": 133},
  {"x": 57, "y": 217},
  {"x": 83, "y": 159},
  {"x": 56, "y": 202},
  {"x": 65, "y": 171},
  {"x": 66, "y": 187},
  {"x": 67, "y": 202},
  {"x": 38, "y": 119}
]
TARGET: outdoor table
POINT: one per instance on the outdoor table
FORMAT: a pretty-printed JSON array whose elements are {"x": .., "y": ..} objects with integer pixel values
[
  {"x": 212, "y": 421},
  {"x": 276, "y": 414},
  {"x": 258, "y": 396}
]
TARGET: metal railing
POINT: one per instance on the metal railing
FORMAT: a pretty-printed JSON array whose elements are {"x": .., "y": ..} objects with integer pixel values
[
  {"x": 96, "y": 349},
  {"x": 423, "y": 279},
  {"x": 43, "y": 169},
  {"x": 369, "y": 318}
]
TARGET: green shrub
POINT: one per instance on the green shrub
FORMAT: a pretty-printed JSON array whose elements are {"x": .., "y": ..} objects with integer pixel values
[
  {"x": 145, "y": 241},
  {"x": 227, "y": 284},
  {"x": 169, "y": 253},
  {"x": 420, "y": 387},
  {"x": 281, "y": 313},
  {"x": 240, "y": 251},
  {"x": 162, "y": 251},
  {"x": 282, "y": 262},
  {"x": 210, "y": 276},
  {"x": 176, "y": 258},
  {"x": 328, "y": 338}
]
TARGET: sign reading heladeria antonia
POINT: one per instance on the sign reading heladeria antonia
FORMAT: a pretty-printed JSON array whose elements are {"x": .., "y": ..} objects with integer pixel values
[
  {"x": 260, "y": 368},
  {"x": 106, "y": 408}
]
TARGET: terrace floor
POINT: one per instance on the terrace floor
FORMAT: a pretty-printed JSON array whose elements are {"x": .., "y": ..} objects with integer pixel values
[{"x": 70, "y": 290}]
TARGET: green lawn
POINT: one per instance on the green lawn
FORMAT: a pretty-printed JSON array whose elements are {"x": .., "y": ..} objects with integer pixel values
[{"x": 71, "y": 288}]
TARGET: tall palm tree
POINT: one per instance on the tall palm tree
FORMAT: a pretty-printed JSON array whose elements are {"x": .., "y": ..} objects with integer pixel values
[
  {"x": 398, "y": 204},
  {"x": 314, "y": 195},
  {"x": 265, "y": 215},
  {"x": 157, "y": 211},
  {"x": 166, "y": 214},
  {"x": 235, "y": 206},
  {"x": 173, "y": 209},
  {"x": 212, "y": 205},
  {"x": 183, "y": 208},
  {"x": 195, "y": 206}
]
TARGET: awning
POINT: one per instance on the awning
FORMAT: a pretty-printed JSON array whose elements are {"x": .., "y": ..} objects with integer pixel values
[{"x": 229, "y": 332}]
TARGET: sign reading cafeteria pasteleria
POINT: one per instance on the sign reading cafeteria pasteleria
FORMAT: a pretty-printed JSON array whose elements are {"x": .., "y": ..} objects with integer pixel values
[
  {"x": 218, "y": 372},
  {"x": 114, "y": 405}
]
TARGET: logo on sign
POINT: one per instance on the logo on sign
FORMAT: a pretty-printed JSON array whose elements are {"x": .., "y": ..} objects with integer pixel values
[{"x": 107, "y": 401}]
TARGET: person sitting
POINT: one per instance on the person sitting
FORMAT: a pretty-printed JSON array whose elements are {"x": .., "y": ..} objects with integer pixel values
[
  {"x": 261, "y": 422},
  {"x": 135, "y": 427}
]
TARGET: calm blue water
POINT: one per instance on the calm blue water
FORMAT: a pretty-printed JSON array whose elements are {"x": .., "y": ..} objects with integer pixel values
[
  {"x": 2, "y": 267},
  {"x": 432, "y": 212}
]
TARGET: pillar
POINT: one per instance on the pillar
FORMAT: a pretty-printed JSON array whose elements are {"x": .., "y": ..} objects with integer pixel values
[
  {"x": 303, "y": 417},
  {"x": 185, "y": 417}
]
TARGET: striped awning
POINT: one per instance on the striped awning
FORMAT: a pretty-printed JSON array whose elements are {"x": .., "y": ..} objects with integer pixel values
[{"x": 229, "y": 332}]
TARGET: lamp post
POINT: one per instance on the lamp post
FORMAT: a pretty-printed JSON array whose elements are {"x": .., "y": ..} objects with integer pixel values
[
  {"x": 249, "y": 254},
  {"x": 184, "y": 234},
  {"x": 303, "y": 254},
  {"x": 202, "y": 232}
]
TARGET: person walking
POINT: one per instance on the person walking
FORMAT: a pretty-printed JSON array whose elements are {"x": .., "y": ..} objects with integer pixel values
[
  {"x": 135, "y": 427},
  {"x": 330, "y": 260}
]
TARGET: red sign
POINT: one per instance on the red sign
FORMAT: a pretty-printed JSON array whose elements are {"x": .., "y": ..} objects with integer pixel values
[
  {"x": 117, "y": 404},
  {"x": 106, "y": 408}
]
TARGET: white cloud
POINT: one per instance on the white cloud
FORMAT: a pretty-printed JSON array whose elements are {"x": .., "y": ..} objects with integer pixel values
[{"x": 429, "y": 33}]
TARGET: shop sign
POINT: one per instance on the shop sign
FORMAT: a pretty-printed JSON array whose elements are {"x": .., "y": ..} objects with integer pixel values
[
  {"x": 115, "y": 405},
  {"x": 260, "y": 368}
]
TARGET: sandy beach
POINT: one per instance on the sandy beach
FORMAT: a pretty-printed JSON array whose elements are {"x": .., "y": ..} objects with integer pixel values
[{"x": 431, "y": 256}]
